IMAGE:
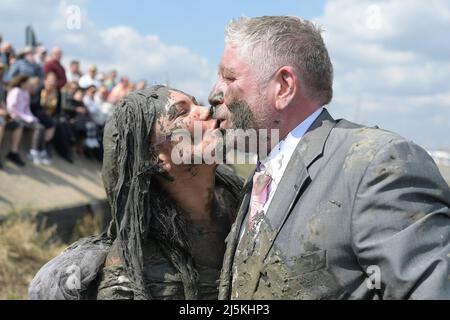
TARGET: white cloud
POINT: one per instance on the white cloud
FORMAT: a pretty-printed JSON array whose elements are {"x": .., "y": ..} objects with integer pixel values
[
  {"x": 392, "y": 65},
  {"x": 140, "y": 56}
]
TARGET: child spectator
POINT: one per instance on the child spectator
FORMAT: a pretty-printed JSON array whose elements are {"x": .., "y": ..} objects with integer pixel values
[{"x": 18, "y": 106}]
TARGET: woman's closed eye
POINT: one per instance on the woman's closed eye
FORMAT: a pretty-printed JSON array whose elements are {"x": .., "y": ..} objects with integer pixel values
[{"x": 176, "y": 110}]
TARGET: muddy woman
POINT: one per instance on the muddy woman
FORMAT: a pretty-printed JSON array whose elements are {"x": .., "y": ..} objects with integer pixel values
[{"x": 166, "y": 238}]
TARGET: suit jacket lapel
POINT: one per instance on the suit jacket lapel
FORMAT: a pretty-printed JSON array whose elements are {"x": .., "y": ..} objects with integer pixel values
[{"x": 296, "y": 177}]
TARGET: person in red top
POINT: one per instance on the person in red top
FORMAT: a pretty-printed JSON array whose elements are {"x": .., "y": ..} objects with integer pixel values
[{"x": 54, "y": 65}]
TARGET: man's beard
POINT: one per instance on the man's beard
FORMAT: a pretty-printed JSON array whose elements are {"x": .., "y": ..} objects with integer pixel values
[
  {"x": 242, "y": 116},
  {"x": 242, "y": 123}
]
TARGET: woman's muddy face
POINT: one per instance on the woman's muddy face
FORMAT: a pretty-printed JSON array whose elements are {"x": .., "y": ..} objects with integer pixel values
[{"x": 183, "y": 119}]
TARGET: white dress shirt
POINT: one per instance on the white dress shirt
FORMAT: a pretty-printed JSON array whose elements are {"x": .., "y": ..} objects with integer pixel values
[{"x": 276, "y": 162}]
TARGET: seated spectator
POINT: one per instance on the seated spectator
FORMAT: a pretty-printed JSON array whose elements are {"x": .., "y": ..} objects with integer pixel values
[
  {"x": 110, "y": 80},
  {"x": 74, "y": 73},
  {"x": 54, "y": 65},
  {"x": 89, "y": 101},
  {"x": 15, "y": 140},
  {"x": 67, "y": 93},
  {"x": 82, "y": 125},
  {"x": 18, "y": 106},
  {"x": 120, "y": 90},
  {"x": 105, "y": 107},
  {"x": 99, "y": 109},
  {"x": 46, "y": 106},
  {"x": 90, "y": 79},
  {"x": 25, "y": 66},
  {"x": 64, "y": 138},
  {"x": 101, "y": 95},
  {"x": 74, "y": 105},
  {"x": 50, "y": 96}
]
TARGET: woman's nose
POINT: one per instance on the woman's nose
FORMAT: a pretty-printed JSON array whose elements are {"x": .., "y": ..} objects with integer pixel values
[
  {"x": 216, "y": 96},
  {"x": 203, "y": 113}
]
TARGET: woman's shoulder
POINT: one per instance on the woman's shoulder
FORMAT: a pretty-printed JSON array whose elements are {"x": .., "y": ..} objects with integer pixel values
[{"x": 68, "y": 275}]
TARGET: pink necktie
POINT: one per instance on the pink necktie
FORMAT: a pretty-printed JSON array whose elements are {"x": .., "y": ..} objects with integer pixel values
[{"x": 261, "y": 181}]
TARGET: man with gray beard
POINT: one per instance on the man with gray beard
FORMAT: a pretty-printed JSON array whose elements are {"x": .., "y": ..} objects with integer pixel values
[{"x": 336, "y": 210}]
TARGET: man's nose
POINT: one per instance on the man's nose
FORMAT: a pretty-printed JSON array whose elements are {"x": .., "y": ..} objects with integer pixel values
[{"x": 216, "y": 96}]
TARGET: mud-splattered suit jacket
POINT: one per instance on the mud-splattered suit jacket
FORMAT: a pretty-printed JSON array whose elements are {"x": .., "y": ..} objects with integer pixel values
[{"x": 360, "y": 213}]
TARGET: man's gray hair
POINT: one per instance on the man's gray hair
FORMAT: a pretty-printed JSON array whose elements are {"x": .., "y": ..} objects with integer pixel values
[{"x": 270, "y": 42}]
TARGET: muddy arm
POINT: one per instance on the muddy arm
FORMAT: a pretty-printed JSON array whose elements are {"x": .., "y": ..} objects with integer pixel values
[
  {"x": 401, "y": 224},
  {"x": 68, "y": 276}
]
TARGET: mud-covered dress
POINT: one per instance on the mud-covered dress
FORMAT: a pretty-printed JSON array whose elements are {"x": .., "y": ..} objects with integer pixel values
[{"x": 161, "y": 277}]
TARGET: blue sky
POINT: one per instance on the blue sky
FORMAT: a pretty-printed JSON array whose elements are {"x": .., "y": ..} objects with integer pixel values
[
  {"x": 197, "y": 24},
  {"x": 391, "y": 58}
]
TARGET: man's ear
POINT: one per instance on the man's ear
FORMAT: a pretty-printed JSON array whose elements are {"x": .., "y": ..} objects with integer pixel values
[{"x": 286, "y": 82}]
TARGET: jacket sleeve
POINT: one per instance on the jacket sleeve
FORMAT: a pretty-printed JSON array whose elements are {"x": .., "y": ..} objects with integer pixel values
[{"x": 401, "y": 223}]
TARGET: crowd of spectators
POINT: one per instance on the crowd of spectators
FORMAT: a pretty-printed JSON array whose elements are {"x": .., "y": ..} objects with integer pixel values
[{"x": 64, "y": 108}]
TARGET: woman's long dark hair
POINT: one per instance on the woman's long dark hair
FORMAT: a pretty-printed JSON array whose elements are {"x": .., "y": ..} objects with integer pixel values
[{"x": 139, "y": 209}]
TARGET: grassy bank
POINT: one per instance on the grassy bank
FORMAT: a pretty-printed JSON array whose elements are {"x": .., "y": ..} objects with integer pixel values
[{"x": 24, "y": 249}]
